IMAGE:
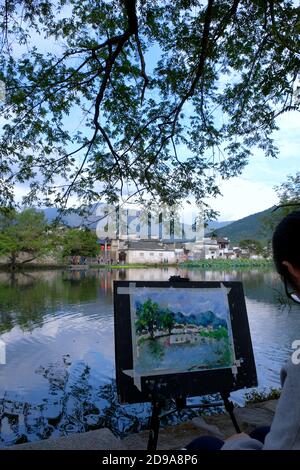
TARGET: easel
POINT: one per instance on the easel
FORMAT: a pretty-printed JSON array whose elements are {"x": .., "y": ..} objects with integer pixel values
[{"x": 157, "y": 405}]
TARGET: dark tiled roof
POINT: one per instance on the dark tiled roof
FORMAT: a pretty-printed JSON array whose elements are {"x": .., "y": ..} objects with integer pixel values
[{"x": 223, "y": 240}]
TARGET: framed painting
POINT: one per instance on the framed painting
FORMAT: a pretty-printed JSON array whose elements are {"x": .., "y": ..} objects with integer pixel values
[{"x": 180, "y": 339}]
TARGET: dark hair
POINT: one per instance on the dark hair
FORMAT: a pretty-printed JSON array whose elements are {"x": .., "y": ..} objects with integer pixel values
[{"x": 286, "y": 243}]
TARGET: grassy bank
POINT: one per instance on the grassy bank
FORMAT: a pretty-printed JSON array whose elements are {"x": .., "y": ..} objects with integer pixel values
[
  {"x": 259, "y": 396},
  {"x": 130, "y": 266},
  {"x": 217, "y": 264},
  {"x": 46, "y": 267},
  {"x": 224, "y": 264}
]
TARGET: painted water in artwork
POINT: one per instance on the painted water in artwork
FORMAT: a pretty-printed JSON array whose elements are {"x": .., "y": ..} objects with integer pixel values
[{"x": 180, "y": 330}]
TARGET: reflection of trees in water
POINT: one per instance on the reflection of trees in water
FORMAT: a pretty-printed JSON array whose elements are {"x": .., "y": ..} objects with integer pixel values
[
  {"x": 122, "y": 274},
  {"x": 77, "y": 401},
  {"x": 261, "y": 285},
  {"x": 72, "y": 405},
  {"x": 156, "y": 348},
  {"x": 25, "y": 298}
]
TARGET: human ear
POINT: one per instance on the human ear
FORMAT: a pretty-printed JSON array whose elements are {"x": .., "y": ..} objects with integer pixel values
[
  {"x": 294, "y": 272},
  {"x": 289, "y": 267}
]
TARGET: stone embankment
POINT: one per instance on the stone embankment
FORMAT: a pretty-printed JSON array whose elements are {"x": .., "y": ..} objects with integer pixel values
[{"x": 170, "y": 438}]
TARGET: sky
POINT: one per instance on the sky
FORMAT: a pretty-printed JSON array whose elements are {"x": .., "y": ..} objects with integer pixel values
[
  {"x": 253, "y": 191},
  {"x": 199, "y": 300}
]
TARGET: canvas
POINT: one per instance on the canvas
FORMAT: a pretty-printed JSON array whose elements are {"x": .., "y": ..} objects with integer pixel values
[
  {"x": 178, "y": 331},
  {"x": 175, "y": 339}
]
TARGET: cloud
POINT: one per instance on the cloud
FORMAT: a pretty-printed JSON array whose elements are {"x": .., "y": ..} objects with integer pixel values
[
  {"x": 254, "y": 190},
  {"x": 241, "y": 197}
]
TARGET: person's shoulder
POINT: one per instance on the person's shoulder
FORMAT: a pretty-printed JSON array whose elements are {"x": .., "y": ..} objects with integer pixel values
[
  {"x": 291, "y": 365},
  {"x": 290, "y": 369}
]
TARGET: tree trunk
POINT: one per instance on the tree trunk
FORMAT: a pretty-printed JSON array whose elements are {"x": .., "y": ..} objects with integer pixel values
[
  {"x": 13, "y": 260},
  {"x": 28, "y": 260}
]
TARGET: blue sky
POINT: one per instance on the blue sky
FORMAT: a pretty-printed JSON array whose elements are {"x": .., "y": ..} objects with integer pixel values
[
  {"x": 253, "y": 191},
  {"x": 197, "y": 300}
]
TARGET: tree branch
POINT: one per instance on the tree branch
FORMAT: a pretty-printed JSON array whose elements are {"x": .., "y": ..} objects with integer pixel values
[
  {"x": 143, "y": 66},
  {"x": 200, "y": 67},
  {"x": 277, "y": 35}
]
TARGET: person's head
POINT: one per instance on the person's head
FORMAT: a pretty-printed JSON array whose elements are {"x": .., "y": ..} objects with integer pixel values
[{"x": 286, "y": 253}]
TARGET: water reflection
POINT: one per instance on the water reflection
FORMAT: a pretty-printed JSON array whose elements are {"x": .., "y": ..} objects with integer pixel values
[{"x": 58, "y": 327}]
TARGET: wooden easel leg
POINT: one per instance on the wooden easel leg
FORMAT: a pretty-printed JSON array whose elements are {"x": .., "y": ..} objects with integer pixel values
[
  {"x": 229, "y": 407},
  {"x": 154, "y": 426}
]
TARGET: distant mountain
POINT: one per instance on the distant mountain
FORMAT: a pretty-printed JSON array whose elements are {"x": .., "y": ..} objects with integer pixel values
[
  {"x": 250, "y": 227},
  {"x": 73, "y": 219},
  {"x": 215, "y": 224},
  {"x": 50, "y": 213},
  {"x": 205, "y": 319}
]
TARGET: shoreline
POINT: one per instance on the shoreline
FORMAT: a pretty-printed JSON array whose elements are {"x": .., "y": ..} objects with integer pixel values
[
  {"x": 171, "y": 437},
  {"x": 199, "y": 264}
]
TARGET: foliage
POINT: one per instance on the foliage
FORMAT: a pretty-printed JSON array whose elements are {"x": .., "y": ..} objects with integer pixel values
[
  {"x": 156, "y": 349},
  {"x": 147, "y": 317},
  {"x": 151, "y": 316},
  {"x": 228, "y": 264},
  {"x": 226, "y": 357},
  {"x": 289, "y": 191},
  {"x": 26, "y": 299},
  {"x": 77, "y": 242},
  {"x": 288, "y": 194},
  {"x": 167, "y": 320},
  {"x": 252, "y": 246},
  {"x": 256, "y": 396},
  {"x": 166, "y": 96},
  {"x": 219, "y": 333},
  {"x": 24, "y": 233}
]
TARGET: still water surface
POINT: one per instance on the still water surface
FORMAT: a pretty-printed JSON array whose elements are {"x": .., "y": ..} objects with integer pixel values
[{"x": 58, "y": 330}]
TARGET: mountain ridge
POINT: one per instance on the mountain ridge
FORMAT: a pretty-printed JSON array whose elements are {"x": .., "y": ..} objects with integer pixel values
[
  {"x": 249, "y": 227},
  {"x": 207, "y": 318}
]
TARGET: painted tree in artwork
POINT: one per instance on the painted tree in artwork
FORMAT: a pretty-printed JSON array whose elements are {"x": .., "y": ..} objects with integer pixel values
[
  {"x": 167, "y": 320},
  {"x": 148, "y": 316}
]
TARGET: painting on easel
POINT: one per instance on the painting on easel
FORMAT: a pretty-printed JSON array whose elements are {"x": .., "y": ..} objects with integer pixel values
[
  {"x": 176, "y": 339},
  {"x": 176, "y": 332}
]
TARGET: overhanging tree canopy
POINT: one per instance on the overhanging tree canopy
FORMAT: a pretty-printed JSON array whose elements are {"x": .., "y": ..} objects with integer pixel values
[
  {"x": 165, "y": 95},
  {"x": 288, "y": 194}
]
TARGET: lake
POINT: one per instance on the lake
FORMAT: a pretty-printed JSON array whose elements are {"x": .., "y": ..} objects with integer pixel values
[{"x": 58, "y": 328}]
